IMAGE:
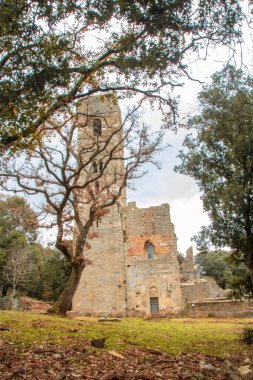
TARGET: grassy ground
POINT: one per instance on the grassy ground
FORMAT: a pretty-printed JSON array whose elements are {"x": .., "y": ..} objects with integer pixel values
[{"x": 220, "y": 338}]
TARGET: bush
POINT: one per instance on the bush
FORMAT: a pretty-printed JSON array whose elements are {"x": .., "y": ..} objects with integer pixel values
[{"x": 247, "y": 336}]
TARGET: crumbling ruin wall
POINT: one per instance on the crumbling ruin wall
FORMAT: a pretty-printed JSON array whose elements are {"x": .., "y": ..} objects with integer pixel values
[
  {"x": 187, "y": 268},
  {"x": 201, "y": 289},
  {"x": 153, "y": 279}
]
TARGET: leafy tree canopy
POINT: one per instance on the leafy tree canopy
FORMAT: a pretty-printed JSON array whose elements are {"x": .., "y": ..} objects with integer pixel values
[
  {"x": 16, "y": 217},
  {"x": 53, "y": 53},
  {"x": 228, "y": 274},
  {"x": 18, "y": 233},
  {"x": 50, "y": 274},
  {"x": 220, "y": 159},
  {"x": 215, "y": 265}
]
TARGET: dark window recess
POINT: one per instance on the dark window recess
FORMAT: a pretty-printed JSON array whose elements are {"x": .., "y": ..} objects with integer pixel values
[
  {"x": 119, "y": 286},
  {"x": 97, "y": 185},
  {"x": 150, "y": 249},
  {"x": 94, "y": 167},
  {"x": 97, "y": 127},
  {"x": 101, "y": 167},
  {"x": 154, "y": 305}
]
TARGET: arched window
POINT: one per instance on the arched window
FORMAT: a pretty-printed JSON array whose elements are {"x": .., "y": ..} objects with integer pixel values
[
  {"x": 97, "y": 126},
  {"x": 150, "y": 249}
]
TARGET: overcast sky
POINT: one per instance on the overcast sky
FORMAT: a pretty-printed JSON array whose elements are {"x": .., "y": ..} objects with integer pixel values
[{"x": 166, "y": 186}]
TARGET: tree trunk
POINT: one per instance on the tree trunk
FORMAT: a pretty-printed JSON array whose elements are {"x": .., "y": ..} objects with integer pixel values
[
  {"x": 10, "y": 298},
  {"x": 61, "y": 306},
  {"x": 249, "y": 236},
  {"x": 250, "y": 255},
  {"x": 5, "y": 290}
]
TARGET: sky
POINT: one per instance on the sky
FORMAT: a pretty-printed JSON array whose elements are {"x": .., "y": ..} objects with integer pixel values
[{"x": 166, "y": 186}]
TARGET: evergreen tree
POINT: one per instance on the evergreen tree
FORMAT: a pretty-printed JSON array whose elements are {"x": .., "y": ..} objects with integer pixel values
[{"x": 219, "y": 157}]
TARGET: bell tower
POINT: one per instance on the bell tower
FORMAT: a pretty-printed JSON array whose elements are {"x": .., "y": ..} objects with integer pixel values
[{"x": 102, "y": 287}]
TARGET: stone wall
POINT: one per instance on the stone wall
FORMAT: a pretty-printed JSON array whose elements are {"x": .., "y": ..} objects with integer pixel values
[
  {"x": 220, "y": 308},
  {"x": 102, "y": 286},
  {"x": 201, "y": 289},
  {"x": 158, "y": 277}
]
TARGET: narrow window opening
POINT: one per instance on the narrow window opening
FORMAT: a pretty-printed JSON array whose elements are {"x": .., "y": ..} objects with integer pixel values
[
  {"x": 97, "y": 127},
  {"x": 101, "y": 166},
  {"x": 150, "y": 249},
  {"x": 94, "y": 167}
]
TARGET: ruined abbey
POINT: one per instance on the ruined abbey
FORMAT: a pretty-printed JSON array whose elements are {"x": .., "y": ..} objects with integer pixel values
[{"x": 134, "y": 259}]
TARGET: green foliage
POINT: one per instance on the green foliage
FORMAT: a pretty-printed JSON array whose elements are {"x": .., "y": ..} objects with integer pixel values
[
  {"x": 227, "y": 273},
  {"x": 241, "y": 283},
  {"x": 215, "y": 265},
  {"x": 52, "y": 53},
  {"x": 18, "y": 229},
  {"x": 247, "y": 336},
  {"x": 181, "y": 258},
  {"x": 50, "y": 274},
  {"x": 220, "y": 159},
  {"x": 16, "y": 218}
]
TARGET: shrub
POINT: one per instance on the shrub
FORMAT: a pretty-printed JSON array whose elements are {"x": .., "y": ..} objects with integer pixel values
[{"x": 247, "y": 335}]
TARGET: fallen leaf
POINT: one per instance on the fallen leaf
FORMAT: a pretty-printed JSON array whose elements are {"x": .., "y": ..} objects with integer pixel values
[{"x": 116, "y": 354}]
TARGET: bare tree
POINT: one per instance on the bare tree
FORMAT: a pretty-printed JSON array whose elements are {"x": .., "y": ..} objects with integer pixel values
[
  {"x": 77, "y": 185},
  {"x": 17, "y": 270}
]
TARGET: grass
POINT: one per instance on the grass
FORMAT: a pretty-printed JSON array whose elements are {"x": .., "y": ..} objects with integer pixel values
[{"x": 221, "y": 338}]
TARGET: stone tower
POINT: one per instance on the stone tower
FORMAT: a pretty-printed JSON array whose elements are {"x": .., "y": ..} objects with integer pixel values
[{"x": 102, "y": 286}]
